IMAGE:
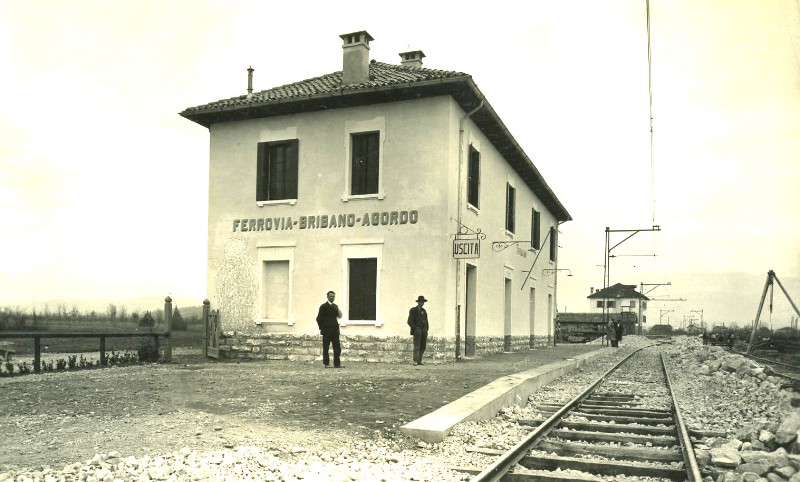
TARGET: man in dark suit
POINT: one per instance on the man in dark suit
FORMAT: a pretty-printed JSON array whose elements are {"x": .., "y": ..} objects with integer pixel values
[
  {"x": 418, "y": 321},
  {"x": 328, "y": 322}
]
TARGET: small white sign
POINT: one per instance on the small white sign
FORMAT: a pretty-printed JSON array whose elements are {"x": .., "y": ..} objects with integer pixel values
[{"x": 466, "y": 248}]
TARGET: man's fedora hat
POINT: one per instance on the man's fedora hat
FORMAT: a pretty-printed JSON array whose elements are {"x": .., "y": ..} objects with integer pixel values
[{"x": 421, "y": 298}]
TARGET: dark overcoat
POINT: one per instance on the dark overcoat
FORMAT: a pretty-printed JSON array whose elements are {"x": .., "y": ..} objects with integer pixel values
[
  {"x": 327, "y": 319},
  {"x": 418, "y": 319}
]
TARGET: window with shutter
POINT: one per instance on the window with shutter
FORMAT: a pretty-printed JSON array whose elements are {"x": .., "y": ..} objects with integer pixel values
[
  {"x": 277, "y": 170},
  {"x": 474, "y": 177},
  {"x": 535, "y": 229},
  {"x": 365, "y": 163},
  {"x": 510, "y": 201},
  {"x": 362, "y": 291}
]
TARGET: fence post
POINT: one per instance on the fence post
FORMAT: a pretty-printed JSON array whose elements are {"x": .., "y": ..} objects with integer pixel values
[
  {"x": 206, "y": 308},
  {"x": 37, "y": 354},
  {"x": 168, "y": 320}
]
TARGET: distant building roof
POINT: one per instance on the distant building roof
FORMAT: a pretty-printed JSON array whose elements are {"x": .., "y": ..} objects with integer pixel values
[
  {"x": 387, "y": 83},
  {"x": 618, "y": 290}
]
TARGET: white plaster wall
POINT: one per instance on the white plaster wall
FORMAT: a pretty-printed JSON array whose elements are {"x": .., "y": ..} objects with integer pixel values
[
  {"x": 415, "y": 152},
  {"x": 419, "y": 173},
  {"x": 494, "y": 266}
]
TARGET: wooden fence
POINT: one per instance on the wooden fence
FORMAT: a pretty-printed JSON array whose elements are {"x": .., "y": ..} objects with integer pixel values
[{"x": 38, "y": 335}]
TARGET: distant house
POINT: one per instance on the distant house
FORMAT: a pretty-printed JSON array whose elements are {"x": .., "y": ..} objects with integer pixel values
[
  {"x": 619, "y": 298},
  {"x": 693, "y": 329}
]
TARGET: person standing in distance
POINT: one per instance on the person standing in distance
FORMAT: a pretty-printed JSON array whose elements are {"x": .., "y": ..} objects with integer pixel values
[
  {"x": 418, "y": 321},
  {"x": 328, "y": 322},
  {"x": 611, "y": 332}
]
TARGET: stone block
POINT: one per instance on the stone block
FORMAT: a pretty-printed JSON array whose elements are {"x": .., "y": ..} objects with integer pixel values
[{"x": 756, "y": 468}]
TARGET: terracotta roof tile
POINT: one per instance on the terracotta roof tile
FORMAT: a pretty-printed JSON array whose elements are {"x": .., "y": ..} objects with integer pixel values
[
  {"x": 618, "y": 290},
  {"x": 381, "y": 75}
]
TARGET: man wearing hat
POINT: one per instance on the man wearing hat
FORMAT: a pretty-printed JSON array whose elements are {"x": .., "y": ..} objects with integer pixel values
[{"x": 418, "y": 321}]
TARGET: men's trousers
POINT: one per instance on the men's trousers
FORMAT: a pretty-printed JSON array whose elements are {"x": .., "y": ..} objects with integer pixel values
[
  {"x": 327, "y": 341},
  {"x": 420, "y": 341}
]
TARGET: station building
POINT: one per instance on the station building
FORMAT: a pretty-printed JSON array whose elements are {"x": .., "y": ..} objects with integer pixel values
[
  {"x": 618, "y": 298},
  {"x": 380, "y": 182}
]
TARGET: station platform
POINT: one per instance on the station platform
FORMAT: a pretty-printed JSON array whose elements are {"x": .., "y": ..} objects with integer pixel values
[{"x": 485, "y": 402}]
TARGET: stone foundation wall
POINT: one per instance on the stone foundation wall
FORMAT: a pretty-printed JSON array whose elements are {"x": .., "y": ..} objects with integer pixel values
[{"x": 395, "y": 349}]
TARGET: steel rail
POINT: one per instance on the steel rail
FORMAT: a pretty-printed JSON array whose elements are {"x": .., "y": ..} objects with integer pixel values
[
  {"x": 689, "y": 460},
  {"x": 504, "y": 463},
  {"x": 767, "y": 360},
  {"x": 775, "y": 363}
]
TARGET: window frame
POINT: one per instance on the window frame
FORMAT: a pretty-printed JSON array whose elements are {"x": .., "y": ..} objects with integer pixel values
[
  {"x": 356, "y": 127},
  {"x": 474, "y": 177},
  {"x": 536, "y": 229},
  {"x": 371, "y": 179},
  {"x": 511, "y": 195},
  {"x": 275, "y": 252},
  {"x": 361, "y": 248},
  {"x": 369, "y": 264},
  {"x": 264, "y": 169}
]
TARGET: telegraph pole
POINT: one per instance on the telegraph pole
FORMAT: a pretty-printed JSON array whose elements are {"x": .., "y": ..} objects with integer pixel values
[{"x": 700, "y": 312}]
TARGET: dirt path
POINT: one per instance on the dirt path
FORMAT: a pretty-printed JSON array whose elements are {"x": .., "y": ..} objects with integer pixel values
[{"x": 58, "y": 418}]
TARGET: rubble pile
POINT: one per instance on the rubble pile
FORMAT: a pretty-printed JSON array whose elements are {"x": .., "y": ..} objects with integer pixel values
[{"x": 728, "y": 393}]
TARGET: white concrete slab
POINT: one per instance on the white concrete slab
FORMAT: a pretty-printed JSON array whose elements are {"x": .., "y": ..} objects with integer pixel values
[{"x": 485, "y": 402}]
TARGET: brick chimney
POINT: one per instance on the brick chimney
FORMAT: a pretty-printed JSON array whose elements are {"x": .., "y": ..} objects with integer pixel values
[
  {"x": 355, "y": 57},
  {"x": 412, "y": 58}
]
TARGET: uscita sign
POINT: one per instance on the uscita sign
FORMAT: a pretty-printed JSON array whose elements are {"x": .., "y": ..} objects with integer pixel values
[{"x": 466, "y": 248}]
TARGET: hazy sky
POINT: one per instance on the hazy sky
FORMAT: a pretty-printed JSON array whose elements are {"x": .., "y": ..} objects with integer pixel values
[{"x": 104, "y": 186}]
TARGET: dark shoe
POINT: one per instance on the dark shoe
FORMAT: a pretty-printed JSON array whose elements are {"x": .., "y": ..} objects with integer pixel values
[
  {"x": 415, "y": 363},
  {"x": 338, "y": 366},
  {"x": 326, "y": 366}
]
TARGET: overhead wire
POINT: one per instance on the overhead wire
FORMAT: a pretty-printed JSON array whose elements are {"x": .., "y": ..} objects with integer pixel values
[{"x": 650, "y": 99}]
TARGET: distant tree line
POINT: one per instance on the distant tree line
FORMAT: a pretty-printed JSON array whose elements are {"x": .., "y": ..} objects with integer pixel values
[{"x": 16, "y": 318}]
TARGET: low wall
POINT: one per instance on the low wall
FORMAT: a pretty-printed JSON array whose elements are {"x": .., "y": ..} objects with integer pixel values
[{"x": 361, "y": 348}]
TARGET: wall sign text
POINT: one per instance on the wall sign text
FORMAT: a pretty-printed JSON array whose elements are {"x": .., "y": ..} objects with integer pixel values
[
  {"x": 466, "y": 248},
  {"x": 324, "y": 221}
]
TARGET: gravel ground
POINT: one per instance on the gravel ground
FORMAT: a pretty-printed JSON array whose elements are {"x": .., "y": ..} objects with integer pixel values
[{"x": 294, "y": 421}]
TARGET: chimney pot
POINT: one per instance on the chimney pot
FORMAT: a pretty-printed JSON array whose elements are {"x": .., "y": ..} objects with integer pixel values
[
  {"x": 355, "y": 57},
  {"x": 412, "y": 58},
  {"x": 250, "y": 80}
]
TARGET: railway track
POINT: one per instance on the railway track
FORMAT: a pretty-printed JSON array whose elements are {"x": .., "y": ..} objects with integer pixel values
[
  {"x": 627, "y": 423},
  {"x": 791, "y": 373}
]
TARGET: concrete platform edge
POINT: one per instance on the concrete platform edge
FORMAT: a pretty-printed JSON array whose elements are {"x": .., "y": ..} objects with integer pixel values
[{"x": 485, "y": 402}]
